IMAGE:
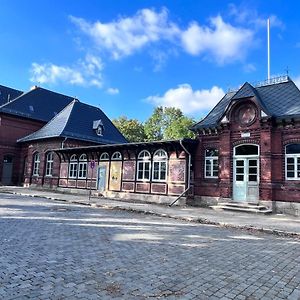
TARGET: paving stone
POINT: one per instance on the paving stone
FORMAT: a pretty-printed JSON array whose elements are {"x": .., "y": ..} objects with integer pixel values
[{"x": 91, "y": 253}]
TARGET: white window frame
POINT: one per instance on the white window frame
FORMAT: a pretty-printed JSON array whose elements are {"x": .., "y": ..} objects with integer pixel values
[
  {"x": 213, "y": 160},
  {"x": 160, "y": 158},
  {"x": 36, "y": 164},
  {"x": 104, "y": 156},
  {"x": 82, "y": 167},
  {"x": 295, "y": 157},
  {"x": 73, "y": 167},
  {"x": 144, "y": 158},
  {"x": 116, "y": 156},
  {"x": 49, "y": 163}
]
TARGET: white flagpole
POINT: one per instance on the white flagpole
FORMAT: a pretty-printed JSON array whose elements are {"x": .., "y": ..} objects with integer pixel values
[{"x": 268, "y": 29}]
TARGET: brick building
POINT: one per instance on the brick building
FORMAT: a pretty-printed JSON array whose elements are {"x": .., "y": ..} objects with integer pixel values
[{"x": 247, "y": 149}]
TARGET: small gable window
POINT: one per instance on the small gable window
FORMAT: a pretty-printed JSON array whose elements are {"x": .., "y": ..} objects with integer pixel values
[
  {"x": 116, "y": 156},
  {"x": 82, "y": 167},
  {"x": 159, "y": 170},
  {"x": 292, "y": 162},
  {"x": 143, "y": 166},
  {"x": 49, "y": 163},
  {"x": 104, "y": 156},
  {"x": 36, "y": 164},
  {"x": 211, "y": 163},
  {"x": 73, "y": 166},
  {"x": 98, "y": 127}
]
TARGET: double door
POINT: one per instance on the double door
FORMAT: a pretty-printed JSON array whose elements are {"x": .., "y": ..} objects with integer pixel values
[{"x": 246, "y": 180}]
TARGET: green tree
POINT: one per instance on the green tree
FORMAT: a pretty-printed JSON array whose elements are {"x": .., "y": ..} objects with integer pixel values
[
  {"x": 168, "y": 123},
  {"x": 132, "y": 129}
]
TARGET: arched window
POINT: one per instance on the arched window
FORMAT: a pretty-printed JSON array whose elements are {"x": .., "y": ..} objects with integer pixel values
[
  {"x": 104, "y": 156},
  {"x": 36, "y": 164},
  {"x": 292, "y": 162},
  {"x": 82, "y": 167},
  {"x": 143, "y": 166},
  {"x": 49, "y": 163},
  {"x": 116, "y": 156},
  {"x": 211, "y": 163},
  {"x": 73, "y": 166},
  {"x": 159, "y": 170}
]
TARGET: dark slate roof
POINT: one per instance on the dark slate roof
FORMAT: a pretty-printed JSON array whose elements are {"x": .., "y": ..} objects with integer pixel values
[
  {"x": 8, "y": 94},
  {"x": 37, "y": 104},
  {"x": 75, "y": 121},
  {"x": 277, "y": 100},
  {"x": 213, "y": 117}
]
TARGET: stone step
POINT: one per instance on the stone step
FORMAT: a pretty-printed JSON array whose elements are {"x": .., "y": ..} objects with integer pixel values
[
  {"x": 245, "y": 205},
  {"x": 246, "y": 209}
]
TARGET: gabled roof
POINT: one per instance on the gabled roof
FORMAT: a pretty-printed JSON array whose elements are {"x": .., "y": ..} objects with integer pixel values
[
  {"x": 8, "y": 94},
  {"x": 277, "y": 100},
  {"x": 247, "y": 90},
  {"x": 37, "y": 104},
  {"x": 75, "y": 121}
]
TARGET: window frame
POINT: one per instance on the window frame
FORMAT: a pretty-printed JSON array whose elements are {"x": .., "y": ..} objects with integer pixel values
[
  {"x": 160, "y": 160},
  {"x": 116, "y": 156},
  {"x": 144, "y": 159},
  {"x": 104, "y": 156},
  {"x": 36, "y": 164},
  {"x": 296, "y": 169},
  {"x": 73, "y": 167},
  {"x": 212, "y": 159},
  {"x": 82, "y": 167},
  {"x": 49, "y": 164}
]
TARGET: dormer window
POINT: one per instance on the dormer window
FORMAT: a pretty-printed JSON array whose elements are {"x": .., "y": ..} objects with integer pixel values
[{"x": 98, "y": 127}]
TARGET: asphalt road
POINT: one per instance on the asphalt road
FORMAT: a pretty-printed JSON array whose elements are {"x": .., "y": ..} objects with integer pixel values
[{"x": 55, "y": 250}]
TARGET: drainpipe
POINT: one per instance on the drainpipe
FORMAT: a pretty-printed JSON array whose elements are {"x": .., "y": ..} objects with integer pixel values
[
  {"x": 189, "y": 174},
  {"x": 63, "y": 142}
]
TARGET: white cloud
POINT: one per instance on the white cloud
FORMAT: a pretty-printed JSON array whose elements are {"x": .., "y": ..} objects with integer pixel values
[
  {"x": 112, "y": 91},
  {"x": 249, "y": 68},
  {"x": 188, "y": 100},
  {"x": 85, "y": 72},
  {"x": 224, "y": 42},
  {"x": 246, "y": 15},
  {"x": 127, "y": 35}
]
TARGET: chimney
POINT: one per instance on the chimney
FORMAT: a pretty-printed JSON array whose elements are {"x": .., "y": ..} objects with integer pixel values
[{"x": 33, "y": 87}]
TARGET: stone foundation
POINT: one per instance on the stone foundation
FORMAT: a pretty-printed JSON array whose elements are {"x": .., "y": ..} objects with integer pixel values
[{"x": 148, "y": 198}]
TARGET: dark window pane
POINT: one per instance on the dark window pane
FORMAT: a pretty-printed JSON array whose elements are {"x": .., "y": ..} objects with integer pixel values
[
  {"x": 239, "y": 162},
  {"x": 290, "y": 174},
  {"x": 290, "y": 167},
  {"x": 252, "y": 178},
  {"x": 239, "y": 177},
  {"x": 253, "y": 162},
  {"x": 290, "y": 160},
  {"x": 246, "y": 150},
  {"x": 252, "y": 170},
  {"x": 293, "y": 149},
  {"x": 215, "y": 173}
]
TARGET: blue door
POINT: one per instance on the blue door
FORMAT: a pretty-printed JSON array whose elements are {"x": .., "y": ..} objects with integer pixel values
[{"x": 101, "y": 180}]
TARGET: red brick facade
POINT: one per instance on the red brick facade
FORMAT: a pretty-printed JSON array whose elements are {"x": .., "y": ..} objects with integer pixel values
[{"x": 270, "y": 136}]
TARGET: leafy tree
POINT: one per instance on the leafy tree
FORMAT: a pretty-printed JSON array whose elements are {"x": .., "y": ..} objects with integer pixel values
[
  {"x": 168, "y": 123},
  {"x": 132, "y": 129}
]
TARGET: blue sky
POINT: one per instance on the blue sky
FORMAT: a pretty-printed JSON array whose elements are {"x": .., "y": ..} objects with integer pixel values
[{"x": 129, "y": 56}]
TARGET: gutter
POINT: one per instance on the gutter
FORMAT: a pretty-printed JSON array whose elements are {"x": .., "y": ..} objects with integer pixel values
[
  {"x": 188, "y": 175},
  {"x": 63, "y": 143}
]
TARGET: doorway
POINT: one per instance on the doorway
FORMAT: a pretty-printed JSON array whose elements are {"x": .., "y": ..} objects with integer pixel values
[
  {"x": 7, "y": 170},
  {"x": 246, "y": 173}
]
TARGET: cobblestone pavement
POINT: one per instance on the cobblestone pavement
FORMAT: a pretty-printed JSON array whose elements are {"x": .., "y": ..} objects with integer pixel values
[{"x": 54, "y": 250}]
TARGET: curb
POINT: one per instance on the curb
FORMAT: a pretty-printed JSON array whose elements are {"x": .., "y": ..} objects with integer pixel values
[{"x": 199, "y": 220}]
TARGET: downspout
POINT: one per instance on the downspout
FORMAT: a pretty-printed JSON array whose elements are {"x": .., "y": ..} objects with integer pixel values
[
  {"x": 63, "y": 143},
  {"x": 188, "y": 175}
]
